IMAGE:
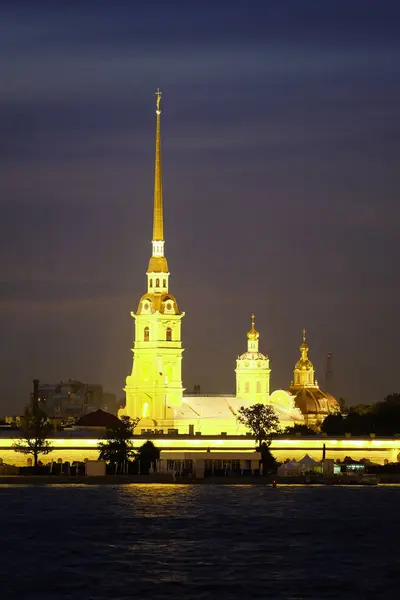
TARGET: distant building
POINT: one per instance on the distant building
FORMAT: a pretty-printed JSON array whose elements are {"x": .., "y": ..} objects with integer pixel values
[{"x": 73, "y": 399}]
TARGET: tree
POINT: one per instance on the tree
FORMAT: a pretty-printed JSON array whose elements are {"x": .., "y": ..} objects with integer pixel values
[
  {"x": 382, "y": 419},
  {"x": 147, "y": 456},
  {"x": 334, "y": 424},
  {"x": 118, "y": 447},
  {"x": 262, "y": 421},
  {"x": 267, "y": 459},
  {"x": 35, "y": 430},
  {"x": 299, "y": 429},
  {"x": 360, "y": 409},
  {"x": 393, "y": 399}
]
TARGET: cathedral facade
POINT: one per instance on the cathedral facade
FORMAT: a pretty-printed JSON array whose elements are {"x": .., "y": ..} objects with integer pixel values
[{"x": 154, "y": 389}]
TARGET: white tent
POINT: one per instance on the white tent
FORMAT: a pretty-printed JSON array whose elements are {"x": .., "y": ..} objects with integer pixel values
[
  {"x": 308, "y": 464},
  {"x": 307, "y": 461},
  {"x": 289, "y": 469}
]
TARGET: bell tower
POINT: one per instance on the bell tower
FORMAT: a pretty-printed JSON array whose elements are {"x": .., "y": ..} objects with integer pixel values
[
  {"x": 252, "y": 371},
  {"x": 154, "y": 387}
]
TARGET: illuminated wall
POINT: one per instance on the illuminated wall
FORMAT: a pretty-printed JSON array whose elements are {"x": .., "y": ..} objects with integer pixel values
[{"x": 376, "y": 450}]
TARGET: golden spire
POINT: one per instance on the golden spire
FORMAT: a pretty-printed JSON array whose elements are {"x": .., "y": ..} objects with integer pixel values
[
  {"x": 253, "y": 333},
  {"x": 158, "y": 224}
]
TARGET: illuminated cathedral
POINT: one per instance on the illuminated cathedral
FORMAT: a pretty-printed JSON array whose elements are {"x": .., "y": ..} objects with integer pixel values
[{"x": 154, "y": 389}]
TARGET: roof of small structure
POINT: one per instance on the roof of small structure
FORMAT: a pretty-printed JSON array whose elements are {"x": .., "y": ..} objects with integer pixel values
[
  {"x": 98, "y": 418},
  {"x": 308, "y": 460}
]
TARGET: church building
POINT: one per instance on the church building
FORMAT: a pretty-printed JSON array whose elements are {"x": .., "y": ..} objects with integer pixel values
[{"x": 154, "y": 389}]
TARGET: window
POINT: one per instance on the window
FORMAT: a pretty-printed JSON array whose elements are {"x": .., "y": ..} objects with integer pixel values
[
  {"x": 151, "y": 283},
  {"x": 169, "y": 334},
  {"x": 157, "y": 283},
  {"x": 258, "y": 387},
  {"x": 146, "y": 334},
  {"x": 164, "y": 283},
  {"x": 246, "y": 387}
]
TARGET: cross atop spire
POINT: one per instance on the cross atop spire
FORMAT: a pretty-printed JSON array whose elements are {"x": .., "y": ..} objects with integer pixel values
[
  {"x": 304, "y": 335},
  {"x": 158, "y": 94}
]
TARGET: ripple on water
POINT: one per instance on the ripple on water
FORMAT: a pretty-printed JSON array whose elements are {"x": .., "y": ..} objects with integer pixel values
[{"x": 157, "y": 541}]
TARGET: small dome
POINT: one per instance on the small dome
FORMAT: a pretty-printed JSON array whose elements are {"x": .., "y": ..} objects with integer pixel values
[
  {"x": 304, "y": 365},
  {"x": 253, "y": 333}
]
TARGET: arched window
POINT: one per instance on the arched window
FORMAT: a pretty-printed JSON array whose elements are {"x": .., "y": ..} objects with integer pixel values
[
  {"x": 258, "y": 387},
  {"x": 146, "y": 334},
  {"x": 246, "y": 387},
  {"x": 151, "y": 283},
  {"x": 164, "y": 283},
  {"x": 169, "y": 334},
  {"x": 157, "y": 283}
]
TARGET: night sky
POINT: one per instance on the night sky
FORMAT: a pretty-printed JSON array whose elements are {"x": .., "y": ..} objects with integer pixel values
[{"x": 281, "y": 134}]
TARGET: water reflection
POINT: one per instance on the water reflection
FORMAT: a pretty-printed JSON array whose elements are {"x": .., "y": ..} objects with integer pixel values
[{"x": 199, "y": 542}]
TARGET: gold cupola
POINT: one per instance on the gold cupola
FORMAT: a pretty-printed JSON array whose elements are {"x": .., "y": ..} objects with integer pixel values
[
  {"x": 253, "y": 334},
  {"x": 304, "y": 369}
]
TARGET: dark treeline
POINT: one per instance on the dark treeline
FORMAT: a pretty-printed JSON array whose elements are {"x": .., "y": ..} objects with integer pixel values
[{"x": 382, "y": 419}]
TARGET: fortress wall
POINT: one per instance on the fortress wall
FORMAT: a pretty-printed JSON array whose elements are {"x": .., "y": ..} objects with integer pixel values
[{"x": 77, "y": 449}]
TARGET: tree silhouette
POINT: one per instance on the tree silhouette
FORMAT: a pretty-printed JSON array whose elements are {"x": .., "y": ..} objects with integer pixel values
[
  {"x": 147, "y": 456},
  {"x": 35, "y": 430},
  {"x": 117, "y": 446},
  {"x": 262, "y": 421},
  {"x": 299, "y": 429}
]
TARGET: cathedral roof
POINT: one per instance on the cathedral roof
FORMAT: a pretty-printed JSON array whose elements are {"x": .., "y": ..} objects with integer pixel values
[
  {"x": 209, "y": 407},
  {"x": 314, "y": 400}
]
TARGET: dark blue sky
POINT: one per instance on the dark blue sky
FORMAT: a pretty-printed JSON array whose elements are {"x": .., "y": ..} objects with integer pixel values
[{"x": 281, "y": 182}]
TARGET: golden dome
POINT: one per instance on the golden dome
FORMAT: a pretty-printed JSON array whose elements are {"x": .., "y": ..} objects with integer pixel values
[
  {"x": 304, "y": 364},
  {"x": 314, "y": 401},
  {"x": 253, "y": 333}
]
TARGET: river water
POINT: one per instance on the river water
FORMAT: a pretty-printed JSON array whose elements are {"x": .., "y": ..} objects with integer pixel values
[{"x": 200, "y": 541}]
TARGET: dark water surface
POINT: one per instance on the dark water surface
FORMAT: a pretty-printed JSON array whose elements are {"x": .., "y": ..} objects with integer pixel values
[{"x": 170, "y": 541}]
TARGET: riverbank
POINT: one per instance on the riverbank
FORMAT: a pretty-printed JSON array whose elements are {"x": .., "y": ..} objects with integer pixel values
[{"x": 160, "y": 479}]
